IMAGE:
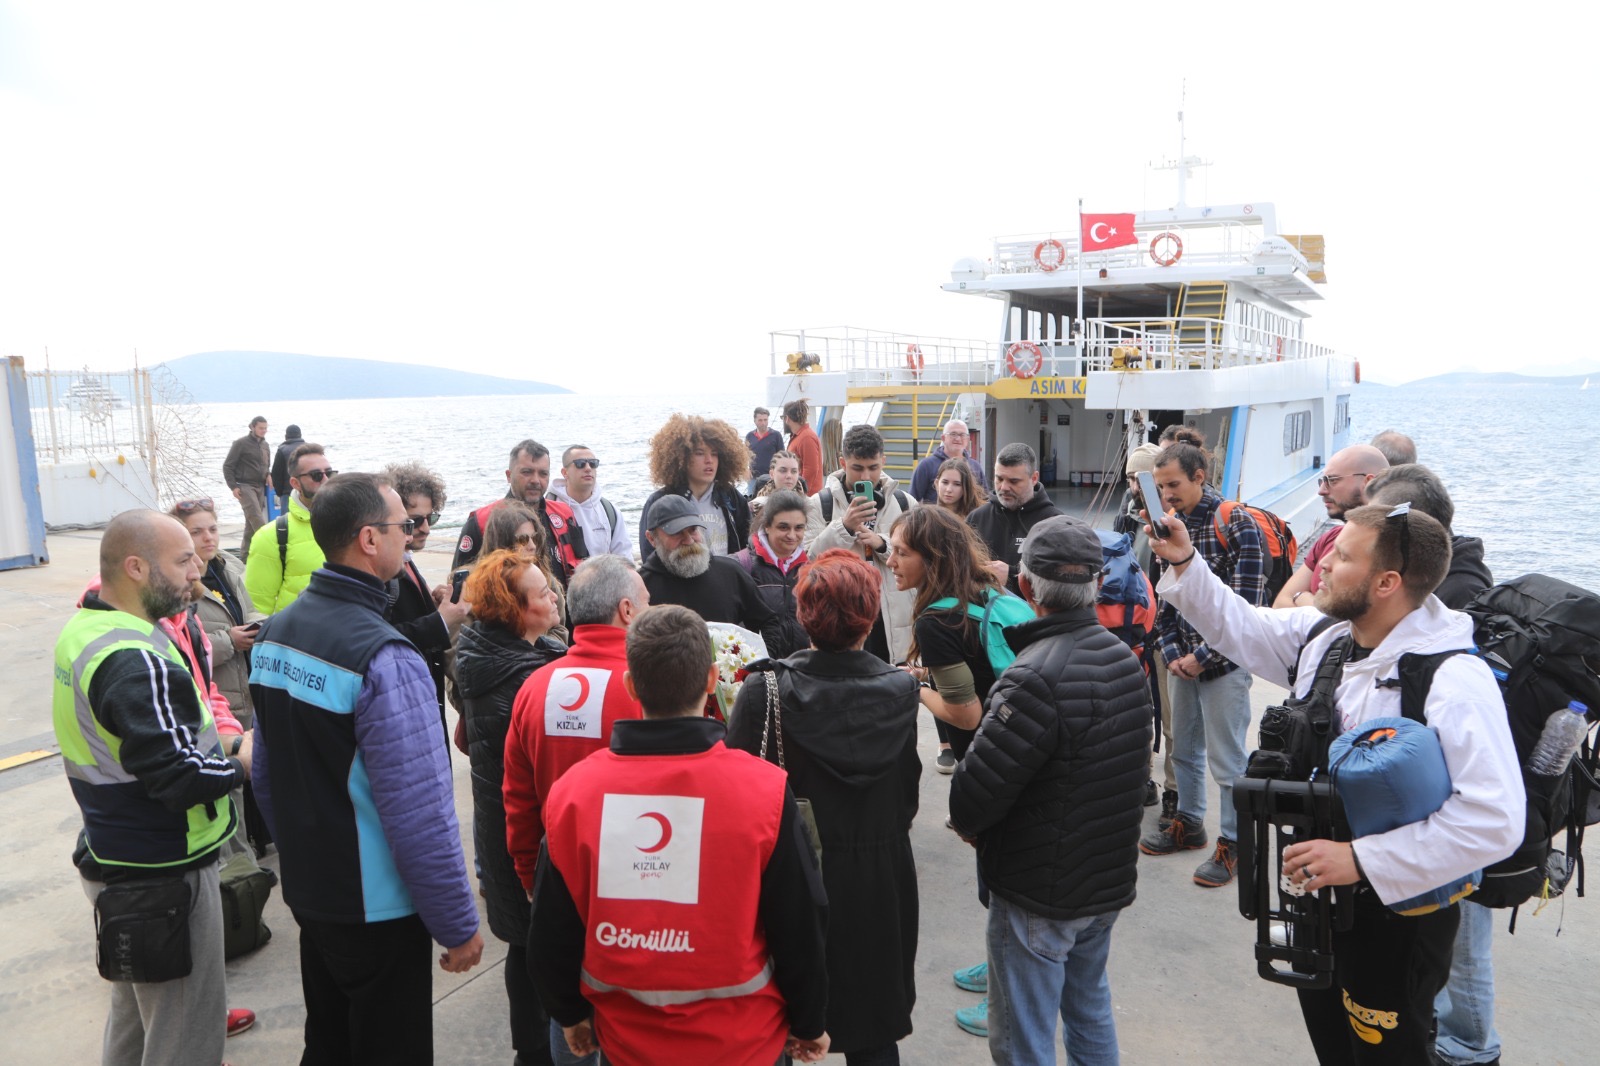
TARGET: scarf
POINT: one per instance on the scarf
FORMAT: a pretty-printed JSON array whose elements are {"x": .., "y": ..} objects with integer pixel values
[{"x": 763, "y": 549}]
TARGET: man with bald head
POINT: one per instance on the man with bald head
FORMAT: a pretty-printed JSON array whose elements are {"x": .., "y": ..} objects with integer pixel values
[
  {"x": 953, "y": 445},
  {"x": 1343, "y": 487},
  {"x": 147, "y": 770},
  {"x": 354, "y": 781}
]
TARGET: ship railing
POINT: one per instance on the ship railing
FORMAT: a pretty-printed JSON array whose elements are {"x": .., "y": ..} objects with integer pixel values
[
  {"x": 1187, "y": 344},
  {"x": 877, "y": 357},
  {"x": 1226, "y": 243}
]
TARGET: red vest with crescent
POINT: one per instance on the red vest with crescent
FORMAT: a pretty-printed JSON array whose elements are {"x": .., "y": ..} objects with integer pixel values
[
  {"x": 559, "y": 522},
  {"x": 663, "y": 856}
]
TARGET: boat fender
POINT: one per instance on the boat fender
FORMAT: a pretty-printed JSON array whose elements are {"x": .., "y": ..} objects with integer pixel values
[
  {"x": 1058, "y": 255},
  {"x": 914, "y": 361},
  {"x": 1166, "y": 248},
  {"x": 1032, "y": 359}
]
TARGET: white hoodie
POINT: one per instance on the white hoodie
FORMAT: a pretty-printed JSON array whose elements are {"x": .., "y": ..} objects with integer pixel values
[
  {"x": 598, "y": 535},
  {"x": 1483, "y": 820}
]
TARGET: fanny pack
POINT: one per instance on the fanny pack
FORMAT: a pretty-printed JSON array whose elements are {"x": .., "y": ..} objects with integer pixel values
[{"x": 142, "y": 930}]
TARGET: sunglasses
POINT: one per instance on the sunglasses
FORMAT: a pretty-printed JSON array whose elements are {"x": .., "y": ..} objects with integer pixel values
[
  {"x": 407, "y": 527},
  {"x": 1403, "y": 513},
  {"x": 586, "y": 464},
  {"x": 319, "y": 476},
  {"x": 188, "y": 506},
  {"x": 432, "y": 518},
  {"x": 525, "y": 540}
]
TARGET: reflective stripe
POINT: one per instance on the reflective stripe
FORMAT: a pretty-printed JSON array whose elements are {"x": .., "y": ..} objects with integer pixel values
[{"x": 676, "y": 998}]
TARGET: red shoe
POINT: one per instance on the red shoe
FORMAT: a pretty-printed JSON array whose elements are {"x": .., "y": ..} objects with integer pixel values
[{"x": 239, "y": 1020}]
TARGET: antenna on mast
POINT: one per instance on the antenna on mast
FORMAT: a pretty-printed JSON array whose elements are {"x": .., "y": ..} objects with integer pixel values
[{"x": 1183, "y": 164}]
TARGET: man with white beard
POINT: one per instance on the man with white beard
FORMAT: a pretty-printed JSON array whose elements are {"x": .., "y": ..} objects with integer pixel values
[{"x": 683, "y": 571}]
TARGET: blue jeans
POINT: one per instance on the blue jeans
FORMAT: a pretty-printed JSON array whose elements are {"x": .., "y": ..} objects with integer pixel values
[
  {"x": 1039, "y": 966},
  {"x": 1465, "y": 1006},
  {"x": 562, "y": 1054},
  {"x": 1210, "y": 724}
]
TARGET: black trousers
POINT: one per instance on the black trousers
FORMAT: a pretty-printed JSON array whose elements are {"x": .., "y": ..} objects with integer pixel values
[
  {"x": 368, "y": 992},
  {"x": 530, "y": 1025},
  {"x": 1386, "y": 971}
]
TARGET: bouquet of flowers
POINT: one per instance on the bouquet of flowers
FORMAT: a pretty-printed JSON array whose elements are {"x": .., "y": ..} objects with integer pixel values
[{"x": 734, "y": 648}]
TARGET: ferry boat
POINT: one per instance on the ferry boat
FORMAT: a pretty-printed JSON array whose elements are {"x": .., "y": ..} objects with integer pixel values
[{"x": 1108, "y": 333}]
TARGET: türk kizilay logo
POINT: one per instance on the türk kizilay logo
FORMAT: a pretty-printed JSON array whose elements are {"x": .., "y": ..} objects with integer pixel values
[
  {"x": 650, "y": 848},
  {"x": 574, "y": 703}
]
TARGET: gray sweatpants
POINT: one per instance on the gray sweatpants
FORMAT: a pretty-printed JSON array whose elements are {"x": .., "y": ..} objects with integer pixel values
[{"x": 174, "y": 1023}]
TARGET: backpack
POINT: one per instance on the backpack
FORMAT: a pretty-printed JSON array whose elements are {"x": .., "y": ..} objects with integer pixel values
[
  {"x": 611, "y": 513},
  {"x": 1123, "y": 582},
  {"x": 1003, "y": 609},
  {"x": 1277, "y": 539}
]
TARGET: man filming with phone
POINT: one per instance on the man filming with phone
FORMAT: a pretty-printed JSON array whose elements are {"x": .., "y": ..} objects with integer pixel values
[
  {"x": 855, "y": 508},
  {"x": 1377, "y": 581}
]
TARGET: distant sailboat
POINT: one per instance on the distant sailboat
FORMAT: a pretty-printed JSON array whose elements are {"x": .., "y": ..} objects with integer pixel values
[{"x": 1585, "y": 385}]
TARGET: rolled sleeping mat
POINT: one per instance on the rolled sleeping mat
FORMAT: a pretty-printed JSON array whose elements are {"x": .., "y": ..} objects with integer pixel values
[{"x": 1391, "y": 772}]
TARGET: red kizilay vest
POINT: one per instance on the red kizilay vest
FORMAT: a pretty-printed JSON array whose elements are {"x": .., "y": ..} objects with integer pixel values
[{"x": 663, "y": 856}]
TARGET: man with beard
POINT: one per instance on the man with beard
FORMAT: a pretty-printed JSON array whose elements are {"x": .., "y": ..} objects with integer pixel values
[
  {"x": 285, "y": 553},
  {"x": 1343, "y": 487},
  {"x": 1019, "y": 503},
  {"x": 1378, "y": 582},
  {"x": 683, "y": 571},
  {"x": 526, "y": 479},
  {"x": 145, "y": 763}
]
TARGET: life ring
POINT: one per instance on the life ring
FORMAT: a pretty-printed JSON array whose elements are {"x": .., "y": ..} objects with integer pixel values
[
  {"x": 1280, "y": 349},
  {"x": 1166, "y": 258},
  {"x": 914, "y": 361},
  {"x": 1358, "y": 371},
  {"x": 1019, "y": 369},
  {"x": 1055, "y": 261}
]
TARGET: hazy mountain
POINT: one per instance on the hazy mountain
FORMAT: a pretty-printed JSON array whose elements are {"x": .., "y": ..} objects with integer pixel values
[
  {"x": 242, "y": 377},
  {"x": 1473, "y": 377}
]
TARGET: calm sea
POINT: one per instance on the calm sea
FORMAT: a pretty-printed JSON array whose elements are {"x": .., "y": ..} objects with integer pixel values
[{"x": 1483, "y": 440}]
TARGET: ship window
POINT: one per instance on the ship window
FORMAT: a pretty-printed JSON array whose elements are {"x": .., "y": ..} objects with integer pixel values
[
  {"x": 1296, "y": 432},
  {"x": 1341, "y": 414}
]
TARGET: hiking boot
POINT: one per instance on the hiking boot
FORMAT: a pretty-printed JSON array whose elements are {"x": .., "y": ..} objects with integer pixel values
[
  {"x": 1218, "y": 870},
  {"x": 946, "y": 763},
  {"x": 239, "y": 1020},
  {"x": 975, "y": 1020},
  {"x": 1150, "y": 797},
  {"x": 1181, "y": 834},
  {"x": 973, "y": 978},
  {"x": 1169, "y": 808}
]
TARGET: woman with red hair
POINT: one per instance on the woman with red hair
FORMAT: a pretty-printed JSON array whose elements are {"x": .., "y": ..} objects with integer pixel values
[
  {"x": 514, "y": 607},
  {"x": 847, "y": 723}
]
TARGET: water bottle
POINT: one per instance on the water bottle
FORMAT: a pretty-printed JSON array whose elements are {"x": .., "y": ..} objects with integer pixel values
[{"x": 1559, "y": 741}]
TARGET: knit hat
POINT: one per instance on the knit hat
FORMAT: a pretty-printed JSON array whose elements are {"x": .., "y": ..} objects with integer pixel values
[{"x": 1142, "y": 458}]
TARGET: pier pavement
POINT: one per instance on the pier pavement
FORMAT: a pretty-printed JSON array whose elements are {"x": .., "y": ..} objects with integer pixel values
[{"x": 1182, "y": 971}]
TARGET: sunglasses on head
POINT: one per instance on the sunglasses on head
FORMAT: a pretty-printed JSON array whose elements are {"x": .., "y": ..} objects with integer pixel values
[
  {"x": 319, "y": 476},
  {"x": 188, "y": 506},
  {"x": 1403, "y": 513},
  {"x": 432, "y": 518},
  {"x": 586, "y": 464}
]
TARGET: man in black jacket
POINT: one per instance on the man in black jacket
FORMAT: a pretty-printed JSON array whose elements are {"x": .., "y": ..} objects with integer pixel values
[
  {"x": 1052, "y": 790},
  {"x": 1019, "y": 503},
  {"x": 280, "y": 465}
]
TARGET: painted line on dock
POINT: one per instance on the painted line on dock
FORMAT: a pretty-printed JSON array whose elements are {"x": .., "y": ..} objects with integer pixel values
[{"x": 11, "y": 762}]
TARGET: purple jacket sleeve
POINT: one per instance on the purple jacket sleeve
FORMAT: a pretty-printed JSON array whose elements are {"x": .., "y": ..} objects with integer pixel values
[{"x": 397, "y": 731}]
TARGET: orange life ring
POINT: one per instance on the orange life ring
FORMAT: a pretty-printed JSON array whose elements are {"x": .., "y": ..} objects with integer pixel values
[
  {"x": 1280, "y": 349},
  {"x": 1166, "y": 258},
  {"x": 1057, "y": 260},
  {"x": 1016, "y": 367},
  {"x": 914, "y": 361},
  {"x": 1358, "y": 371}
]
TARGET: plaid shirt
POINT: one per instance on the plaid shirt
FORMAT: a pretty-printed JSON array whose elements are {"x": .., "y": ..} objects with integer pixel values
[{"x": 1241, "y": 561}]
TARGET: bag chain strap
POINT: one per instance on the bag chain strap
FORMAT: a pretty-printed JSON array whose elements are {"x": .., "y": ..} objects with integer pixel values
[{"x": 774, "y": 716}]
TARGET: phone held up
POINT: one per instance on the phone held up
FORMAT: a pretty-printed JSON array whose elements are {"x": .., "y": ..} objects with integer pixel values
[
  {"x": 1152, "y": 505},
  {"x": 458, "y": 579}
]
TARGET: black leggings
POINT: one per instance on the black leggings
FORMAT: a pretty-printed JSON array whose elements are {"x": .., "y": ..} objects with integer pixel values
[{"x": 958, "y": 739}]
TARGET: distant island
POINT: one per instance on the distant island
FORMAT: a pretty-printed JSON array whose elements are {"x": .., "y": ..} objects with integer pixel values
[
  {"x": 1503, "y": 378},
  {"x": 242, "y": 377}
]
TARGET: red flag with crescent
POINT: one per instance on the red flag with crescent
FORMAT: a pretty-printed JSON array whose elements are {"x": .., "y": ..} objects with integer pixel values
[{"x": 1107, "y": 231}]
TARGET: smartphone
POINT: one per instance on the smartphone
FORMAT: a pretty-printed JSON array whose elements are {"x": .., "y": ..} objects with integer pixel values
[
  {"x": 1152, "y": 504},
  {"x": 251, "y": 627},
  {"x": 863, "y": 490},
  {"x": 458, "y": 579}
]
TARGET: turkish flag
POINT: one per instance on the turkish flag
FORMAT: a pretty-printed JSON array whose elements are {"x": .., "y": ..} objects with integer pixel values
[{"x": 1107, "y": 231}]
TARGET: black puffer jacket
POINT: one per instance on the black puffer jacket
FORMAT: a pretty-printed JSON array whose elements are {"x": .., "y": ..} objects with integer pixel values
[
  {"x": 491, "y": 665},
  {"x": 1053, "y": 785},
  {"x": 776, "y": 590}
]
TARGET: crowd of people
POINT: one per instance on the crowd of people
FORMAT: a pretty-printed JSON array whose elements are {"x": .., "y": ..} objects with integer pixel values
[{"x": 672, "y": 887}]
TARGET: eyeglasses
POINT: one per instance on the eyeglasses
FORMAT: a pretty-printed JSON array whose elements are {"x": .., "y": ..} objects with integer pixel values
[
  {"x": 1403, "y": 512},
  {"x": 319, "y": 476},
  {"x": 202, "y": 504},
  {"x": 407, "y": 527},
  {"x": 1328, "y": 482},
  {"x": 586, "y": 464},
  {"x": 432, "y": 518},
  {"x": 525, "y": 540}
]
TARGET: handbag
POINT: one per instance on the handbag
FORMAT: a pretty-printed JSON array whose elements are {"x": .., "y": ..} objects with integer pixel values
[
  {"x": 245, "y": 891},
  {"x": 774, "y": 727},
  {"x": 142, "y": 930}
]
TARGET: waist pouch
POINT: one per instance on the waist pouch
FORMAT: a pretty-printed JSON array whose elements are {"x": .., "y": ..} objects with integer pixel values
[{"x": 142, "y": 930}]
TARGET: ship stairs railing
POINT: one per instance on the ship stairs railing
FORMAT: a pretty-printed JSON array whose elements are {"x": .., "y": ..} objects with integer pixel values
[{"x": 1226, "y": 243}]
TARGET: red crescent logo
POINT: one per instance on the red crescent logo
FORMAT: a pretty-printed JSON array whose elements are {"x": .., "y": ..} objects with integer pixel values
[
  {"x": 465, "y": 545},
  {"x": 583, "y": 693},
  {"x": 556, "y": 522},
  {"x": 666, "y": 832}
]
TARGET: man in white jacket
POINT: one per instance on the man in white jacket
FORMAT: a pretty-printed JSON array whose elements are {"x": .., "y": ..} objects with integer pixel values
[
  {"x": 1378, "y": 582},
  {"x": 605, "y": 531}
]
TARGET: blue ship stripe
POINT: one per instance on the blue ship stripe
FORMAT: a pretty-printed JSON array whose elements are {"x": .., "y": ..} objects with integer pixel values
[
  {"x": 383, "y": 895},
  {"x": 305, "y": 677}
]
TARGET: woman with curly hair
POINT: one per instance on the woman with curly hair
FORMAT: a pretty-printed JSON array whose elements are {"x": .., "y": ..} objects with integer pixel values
[
  {"x": 705, "y": 460},
  {"x": 956, "y": 488},
  {"x": 513, "y": 609}
]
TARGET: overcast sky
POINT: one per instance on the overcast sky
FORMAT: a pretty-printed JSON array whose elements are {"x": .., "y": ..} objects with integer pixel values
[{"x": 626, "y": 198}]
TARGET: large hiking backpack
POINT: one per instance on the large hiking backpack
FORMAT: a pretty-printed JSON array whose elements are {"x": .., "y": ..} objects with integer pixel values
[
  {"x": 1276, "y": 538},
  {"x": 1541, "y": 638},
  {"x": 1123, "y": 583},
  {"x": 1003, "y": 609}
]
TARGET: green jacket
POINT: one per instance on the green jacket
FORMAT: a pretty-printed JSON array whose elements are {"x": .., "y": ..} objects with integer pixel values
[{"x": 272, "y": 584}]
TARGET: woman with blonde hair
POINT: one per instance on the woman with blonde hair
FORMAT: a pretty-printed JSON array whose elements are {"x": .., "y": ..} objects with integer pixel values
[
  {"x": 956, "y": 488},
  {"x": 705, "y": 460}
]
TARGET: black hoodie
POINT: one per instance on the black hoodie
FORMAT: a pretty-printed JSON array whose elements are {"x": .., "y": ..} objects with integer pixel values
[
  {"x": 1003, "y": 531},
  {"x": 1468, "y": 575}
]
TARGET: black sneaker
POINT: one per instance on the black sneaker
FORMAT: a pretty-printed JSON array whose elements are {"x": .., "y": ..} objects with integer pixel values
[
  {"x": 1150, "y": 795},
  {"x": 1169, "y": 808},
  {"x": 1181, "y": 834},
  {"x": 946, "y": 763},
  {"x": 1218, "y": 870}
]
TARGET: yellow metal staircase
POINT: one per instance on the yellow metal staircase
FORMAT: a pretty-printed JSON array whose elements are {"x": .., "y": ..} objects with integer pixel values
[
  {"x": 1201, "y": 299},
  {"x": 911, "y": 427}
]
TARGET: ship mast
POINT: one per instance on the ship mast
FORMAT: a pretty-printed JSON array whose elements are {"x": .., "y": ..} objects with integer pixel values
[{"x": 1183, "y": 164}]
